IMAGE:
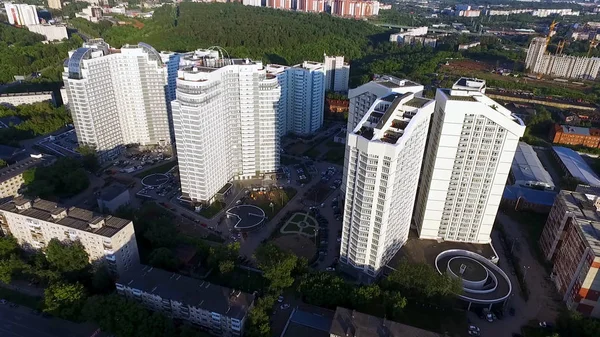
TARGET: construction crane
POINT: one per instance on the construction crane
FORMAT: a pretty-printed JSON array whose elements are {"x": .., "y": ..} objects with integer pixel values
[
  {"x": 560, "y": 47},
  {"x": 550, "y": 31},
  {"x": 593, "y": 44}
]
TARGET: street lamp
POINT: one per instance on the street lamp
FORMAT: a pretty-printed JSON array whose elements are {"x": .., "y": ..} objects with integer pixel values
[{"x": 526, "y": 268}]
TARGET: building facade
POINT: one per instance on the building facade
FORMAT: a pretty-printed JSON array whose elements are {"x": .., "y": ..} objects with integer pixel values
[
  {"x": 575, "y": 135},
  {"x": 51, "y": 32},
  {"x": 538, "y": 61},
  {"x": 11, "y": 176},
  {"x": 221, "y": 311},
  {"x": 571, "y": 241},
  {"x": 106, "y": 239},
  {"x": 383, "y": 160},
  {"x": 54, "y": 4},
  {"x": 117, "y": 97},
  {"x": 337, "y": 74},
  {"x": 303, "y": 96},
  {"x": 21, "y": 14},
  {"x": 363, "y": 97},
  {"x": 471, "y": 146},
  {"x": 355, "y": 8},
  {"x": 238, "y": 104}
]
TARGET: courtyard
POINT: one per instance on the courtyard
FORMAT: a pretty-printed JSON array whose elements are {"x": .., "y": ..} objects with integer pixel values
[{"x": 298, "y": 235}]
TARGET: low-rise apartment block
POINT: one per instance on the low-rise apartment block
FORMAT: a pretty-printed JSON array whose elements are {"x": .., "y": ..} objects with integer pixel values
[
  {"x": 106, "y": 239},
  {"x": 221, "y": 311},
  {"x": 575, "y": 135},
  {"x": 571, "y": 241},
  {"x": 11, "y": 177}
]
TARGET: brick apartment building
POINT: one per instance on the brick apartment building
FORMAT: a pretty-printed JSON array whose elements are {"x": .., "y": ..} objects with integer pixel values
[
  {"x": 571, "y": 241},
  {"x": 575, "y": 135}
]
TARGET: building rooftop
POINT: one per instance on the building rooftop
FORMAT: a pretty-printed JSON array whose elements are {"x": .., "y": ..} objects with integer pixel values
[
  {"x": 307, "y": 320},
  {"x": 393, "y": 82},
  {"x": 526, "y": 166},
  {"x": 469, "y": 84},
  {"x": 188, "y": 291},
  {"x": 538, "y": 197},
  {"x": 73, "y": 217},
  {"x": 580, "y": 131},
  {"x": 112, "y": 191},
  {"x": 22, "y": 166},
  {"x": 584, "y": 204},
  {"x": 351, "y": 323},
  {"x": 576, "y": 166},
  {"x": 390, "y": 116}
]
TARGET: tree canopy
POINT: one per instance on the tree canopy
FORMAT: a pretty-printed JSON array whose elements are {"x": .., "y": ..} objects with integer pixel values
[
  {"x": 38, "y": 119},
  {"x": 65, "y": 178},
  {"x": 277, "y": 266}
]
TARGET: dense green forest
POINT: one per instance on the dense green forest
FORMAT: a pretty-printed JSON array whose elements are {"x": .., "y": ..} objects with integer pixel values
[
  {"x": 38, "y": 119},
  {"x": 22, "y": 53}
]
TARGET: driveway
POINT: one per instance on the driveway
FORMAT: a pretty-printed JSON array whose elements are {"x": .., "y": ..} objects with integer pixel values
[{"x": 543, "y": 304}]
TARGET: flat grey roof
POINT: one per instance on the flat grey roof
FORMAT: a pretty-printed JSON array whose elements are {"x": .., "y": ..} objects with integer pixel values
[
  {"x": 73, "y": 217},
  {"x": 527, "y": 166},
  {"x": 580, "y": 203},
  {"x": 188, "y": 291},
  {"x": 112, "y": 191},
  {"x": 351, "y": 323},
  {"x": 576, "y": 166},
  {"x": 575, "y": 130}
]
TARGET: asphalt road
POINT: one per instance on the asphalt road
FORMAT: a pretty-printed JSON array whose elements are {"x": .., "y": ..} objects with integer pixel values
[{"x": 21, "y": 322}]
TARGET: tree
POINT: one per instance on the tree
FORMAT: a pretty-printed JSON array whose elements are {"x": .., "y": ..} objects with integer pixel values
[
  {"x": 163, "y": 258},
  {"x": 364, "y": 296},
  {"x": 69, "y": 259},
  {"x": 64, "y": 300},
  {"x": 11, "y": 266},
  {"x": 3, "y": 163},
  {"x": 52, "y": 181},
  {"x": 226, "y": 267},
  {"x": 8, "y": 246},
  {"x": 324, "y": 289},
  {"x": 258, "y": 317},
  {"x": 102, "y": 281},
  {"x": 277, "y": 266},
  {"x": 124, "y": 318},
  {"x": 89, "y": 158},
  {"x": 422, "y": 280}
]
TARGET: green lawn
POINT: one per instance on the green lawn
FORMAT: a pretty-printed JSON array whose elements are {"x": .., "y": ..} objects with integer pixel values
[
  {"x": 212, "y": 210},
  {"x": 335, "y": 156},
  {"x": 20, "y": 299},
  {"x": 164, "y": 168},
  {"x": 291, "y": 227},
  {"x": 313, "y": 153}
]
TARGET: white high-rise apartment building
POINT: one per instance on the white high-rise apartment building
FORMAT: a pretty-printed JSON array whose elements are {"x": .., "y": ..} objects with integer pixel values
[
  {"x": 337, "y": 73},
  {"x": 384, "y": 153},
  {"x": 535, "y": 54},
  {"x": 21, "y": 14},
  {"x": 117, "y": 97},
  {"x": 225, "y": 118},
  {"x": 470, "y": 150},
  {"x": 363, "y": 97},
  {"x": 303, "y": 97}
]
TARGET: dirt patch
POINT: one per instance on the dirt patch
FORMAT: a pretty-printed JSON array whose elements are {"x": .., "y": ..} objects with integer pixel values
[
  {"x": 297, "y": 245},
  {"x": 467, "y": 65}
]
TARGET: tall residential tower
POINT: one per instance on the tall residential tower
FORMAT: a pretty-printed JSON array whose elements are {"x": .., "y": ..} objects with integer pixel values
[
  {"x": 225, "y": 118},
  {"x": 117, "y": 96},
  {"x": 471, "y": 147},
  {"x": 384, "y": 153}
]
